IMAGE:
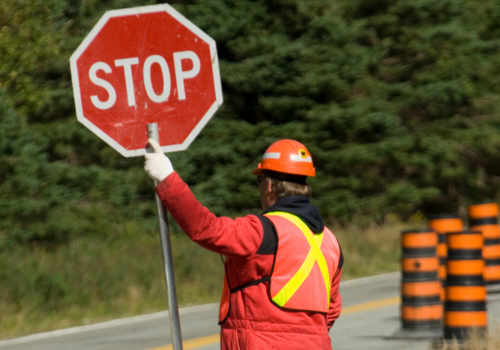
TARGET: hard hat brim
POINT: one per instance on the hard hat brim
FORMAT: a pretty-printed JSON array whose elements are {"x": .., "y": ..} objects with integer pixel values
[{"x": 312, "y": 173}]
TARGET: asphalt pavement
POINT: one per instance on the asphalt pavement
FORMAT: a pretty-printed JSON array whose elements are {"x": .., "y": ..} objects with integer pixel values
[{"x": 369, "y": 320}]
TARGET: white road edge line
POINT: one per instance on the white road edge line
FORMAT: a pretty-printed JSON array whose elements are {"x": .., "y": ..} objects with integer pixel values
[
  {"x": 366, "y": 280},
  {"x": 105, "y": 325},
  {"x": 154, "y": 316}
]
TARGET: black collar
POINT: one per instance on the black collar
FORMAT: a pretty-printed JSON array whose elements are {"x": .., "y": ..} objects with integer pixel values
[{"x": 300, "y": 206}]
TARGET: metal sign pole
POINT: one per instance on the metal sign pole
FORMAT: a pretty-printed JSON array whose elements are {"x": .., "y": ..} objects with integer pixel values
[{"x": 168, "y": 266}]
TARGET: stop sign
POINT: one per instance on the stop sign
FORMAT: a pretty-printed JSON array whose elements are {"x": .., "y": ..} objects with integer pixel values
[{"x": 146, "y": 65}]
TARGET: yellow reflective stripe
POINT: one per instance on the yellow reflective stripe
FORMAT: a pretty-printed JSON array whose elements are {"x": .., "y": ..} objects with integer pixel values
[
  {"x": 315, "y": 241},
  {"x": 296, "y": 281}
]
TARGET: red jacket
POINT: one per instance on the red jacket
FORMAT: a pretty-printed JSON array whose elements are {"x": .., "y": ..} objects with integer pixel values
[{"x": 253, "y": 321}]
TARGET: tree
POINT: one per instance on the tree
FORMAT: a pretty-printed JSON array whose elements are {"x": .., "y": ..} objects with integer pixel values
[{"x": 397, "y": 102}]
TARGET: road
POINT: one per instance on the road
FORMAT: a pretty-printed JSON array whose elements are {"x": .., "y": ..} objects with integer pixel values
[{"x": 369, "y": 320}]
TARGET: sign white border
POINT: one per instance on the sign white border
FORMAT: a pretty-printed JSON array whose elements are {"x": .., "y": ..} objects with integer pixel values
[{"x": 136, "y": 11}]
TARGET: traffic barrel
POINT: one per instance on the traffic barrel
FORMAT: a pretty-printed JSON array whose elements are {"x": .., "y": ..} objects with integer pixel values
[
  {"x": 484, "y": 218},
  {"x": 421, "y": 316},
  {"x": 465, "y": 306},
  {"x": 443, "y": 223},
  {"x": 420, "y": 287},
  {"x": 419, "y": 258}
]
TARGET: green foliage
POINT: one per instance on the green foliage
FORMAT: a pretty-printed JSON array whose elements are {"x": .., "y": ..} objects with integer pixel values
[
  {"x": 57, "y": 181},
  {"x": 93, "y": 280},
  {"x": 396, "y": 100}
]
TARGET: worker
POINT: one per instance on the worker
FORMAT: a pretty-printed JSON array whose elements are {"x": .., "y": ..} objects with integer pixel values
[{"x": 282, "y": 268}]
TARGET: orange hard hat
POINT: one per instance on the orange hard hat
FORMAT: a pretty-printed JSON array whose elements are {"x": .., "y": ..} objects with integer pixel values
[{"x": 287, "y": 156}]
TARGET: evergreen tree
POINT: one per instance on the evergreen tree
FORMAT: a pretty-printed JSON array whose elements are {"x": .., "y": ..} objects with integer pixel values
[{"x": 396, "y": 100}]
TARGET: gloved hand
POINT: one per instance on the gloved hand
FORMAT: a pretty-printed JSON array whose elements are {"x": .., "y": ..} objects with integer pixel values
[{"x": 157, "y": 165}]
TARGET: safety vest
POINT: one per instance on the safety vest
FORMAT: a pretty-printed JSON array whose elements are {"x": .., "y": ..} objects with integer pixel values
[{"x": 304, "y": 266}]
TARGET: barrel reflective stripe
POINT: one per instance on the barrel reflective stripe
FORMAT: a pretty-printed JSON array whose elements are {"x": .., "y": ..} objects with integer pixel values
[
  {"x": 489, "y": 231},
  {"x": 481, "y": 211},
  {"x": 420, "y": 291},
  {"x": 315, "y": 254},
  {"x": 492, "y": 274},
  {"x": 418, "y": 268},
  {"x": 465, "y": 293},
  {"x": 468, "y": 319},
  {"x": 421, "y": 316},
  {"x": 423, "y": 313},
  {"x": 472, "y": 242},
  {"x": 417, "y": 288},
  {"x": 465, "y": 267},
  {"x": 491, "y": 253},
  {"x": 412, "y": 239},
  {"x": 420, "y": 264},
  {"x": 271, "y": 155},
  {"x": 419, "y": 242}
]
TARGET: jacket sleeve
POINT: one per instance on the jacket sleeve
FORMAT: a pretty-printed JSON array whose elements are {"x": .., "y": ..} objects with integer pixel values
[
  {"x": 335, "y": 299},
  {"x": 236, "y": 238}
]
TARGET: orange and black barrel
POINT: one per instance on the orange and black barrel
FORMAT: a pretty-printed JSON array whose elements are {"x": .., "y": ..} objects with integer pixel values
[
  {"x": 465, "y": 306},
  {"x": 419, "y": 258},
  {"x": 421, "y": 307},
  {"x": 484, "y": 217},
  {"x": 443, "y": 223}
]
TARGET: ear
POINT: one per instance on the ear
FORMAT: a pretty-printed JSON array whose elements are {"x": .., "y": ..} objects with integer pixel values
[{"x": 269, "y": 186}]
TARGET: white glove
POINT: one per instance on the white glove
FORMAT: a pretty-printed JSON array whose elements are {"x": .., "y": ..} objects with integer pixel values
[{"x": 157, "y": 165}]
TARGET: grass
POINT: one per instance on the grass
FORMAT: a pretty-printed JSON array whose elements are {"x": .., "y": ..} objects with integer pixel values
[
  {"x": 91, "y": 280},
  {"x": 474, "y": 342},
  {"x": 369, "y": 251}
]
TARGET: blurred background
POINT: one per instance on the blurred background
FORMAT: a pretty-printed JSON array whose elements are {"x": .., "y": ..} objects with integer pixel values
[{"x": 396, "y": 100}]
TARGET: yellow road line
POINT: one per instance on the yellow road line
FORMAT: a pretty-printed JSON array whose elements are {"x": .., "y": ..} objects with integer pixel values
[
  {"x": 370, "y": 305},
  {"x": 194, "y": 343},
  {"x": 212, "y": 339}
]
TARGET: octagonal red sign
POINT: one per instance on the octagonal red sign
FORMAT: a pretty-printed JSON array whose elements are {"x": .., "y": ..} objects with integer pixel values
[{"x": 146, "y": 65}]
